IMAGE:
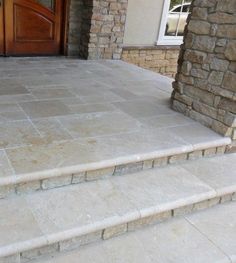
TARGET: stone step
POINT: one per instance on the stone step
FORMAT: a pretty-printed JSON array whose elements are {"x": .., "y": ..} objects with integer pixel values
[
  {"x": 81, "y": 161},
  {"x": 205, "y": 236},
  {"x": 62, "y": 219}
]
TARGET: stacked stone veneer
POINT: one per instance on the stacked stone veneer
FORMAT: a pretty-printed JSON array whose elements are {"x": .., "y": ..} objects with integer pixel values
[
  {"x": 205, "y": 86},
  {"x": 102, "y": 28},
  {"x": 161, "y": 59},
  {"x": 74, "y": 27}
]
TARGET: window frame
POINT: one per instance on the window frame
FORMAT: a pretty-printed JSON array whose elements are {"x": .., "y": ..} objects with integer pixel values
[{"x": 162, "y": 38}]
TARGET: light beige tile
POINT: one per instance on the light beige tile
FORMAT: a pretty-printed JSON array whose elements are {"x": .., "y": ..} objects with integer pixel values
[
  {"x": 13, "y": 89},
  {"x": 5, "y": 166},
  {"x": 219, "y": 225},
  {"x": 17, "y": 217},
  {"x": 99, "y": 124},
  {"x": 92, "y": 108},
  {"x": 18, "y": 133},
  {"x": 12, "y": 116},
  {"x": 142, "y": 108},
  {"x": 42, "y": 109},
  {"x": 51, "y": 93},
  {"x": 51, "y": 130}
]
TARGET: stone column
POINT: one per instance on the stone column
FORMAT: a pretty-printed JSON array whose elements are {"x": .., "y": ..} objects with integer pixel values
[
  {"x": 74, "y": 27},
  {"x": 103, "y": 26},
  {"x": 205, "y": 85}
]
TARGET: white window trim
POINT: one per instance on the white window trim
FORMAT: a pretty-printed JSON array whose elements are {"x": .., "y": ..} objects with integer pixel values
[{"x": 167, "y": 40}]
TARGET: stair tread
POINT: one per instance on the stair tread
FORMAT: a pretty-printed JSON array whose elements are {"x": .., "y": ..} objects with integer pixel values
[
  {"x": 42, "y": 161},
  {"x": 206, "y": 236},
  {"x": 42, "y": 218}
]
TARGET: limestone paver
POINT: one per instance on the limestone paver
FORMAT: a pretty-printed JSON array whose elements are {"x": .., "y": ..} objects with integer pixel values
[
  {"x": 5, "y": 166},
  {"x": 17, "y": 222},
  {"x": 219, "y": 226},
  {"x": 18, "y": 133},
  {"x": 115, "y": 148},
  {"x": 99, "y": 124},
  {"x": 12, "y": 90},
  {"x": 51, "y": 130},
  {"x": 157, "y": 188},
  {"x": 218, "y": 172},
  {"x": 51, "y": 93},
  {"x": 164, "y": 121},
  {"x": 42, "y": 109},
  {"x": 195, "y": 134},
  {"x": 145, "y": 108}
]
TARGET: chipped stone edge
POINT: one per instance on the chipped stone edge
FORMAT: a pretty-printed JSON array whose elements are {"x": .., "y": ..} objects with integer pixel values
[{"x": 183, "y": 206}]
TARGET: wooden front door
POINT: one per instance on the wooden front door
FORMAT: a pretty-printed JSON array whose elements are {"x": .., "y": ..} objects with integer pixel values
[{"x": 33, "y": 27}]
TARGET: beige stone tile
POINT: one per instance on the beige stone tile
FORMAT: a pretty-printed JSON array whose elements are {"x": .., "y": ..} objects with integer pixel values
[
  {"x": 13, "y": 89},
  {"x": 195, "y": 133},
  {"x": 142, "y": 108},
  {"x": 51, "y": 130},
  {"x": 17, "y": 217},
  {"x": 18, "y": 133},
  {"x": 9, "y": 107},
  {"x": 5, "y": 166},
  {"x": 165, "y": 121},
  {"x": 12, "y": 116},
  {"x": 43, "y": 156},
  {"x": 92, "y": 108},
  {"x": 77, "y": 204},
  {"x": 99, "y": 124},
  {"x": 157, "y": 187},
  {"x": 51, "y": 93},
  {"x": 219, "y": 172},
  {"x": 179, "y": 241},
  {"x": 219, "y": 225},
  {"x": 101, "y": 98},
  {"x": 16, "y": 98},
  {"x": 42, "y": 109}
]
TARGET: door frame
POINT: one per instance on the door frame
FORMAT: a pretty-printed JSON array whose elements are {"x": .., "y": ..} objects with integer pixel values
[
  {"x": 64, "y": 27},
  {"x": 2, "y": 28}
]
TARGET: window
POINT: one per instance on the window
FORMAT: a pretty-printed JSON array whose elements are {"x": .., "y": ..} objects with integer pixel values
[{"x": 175, "y": 13}]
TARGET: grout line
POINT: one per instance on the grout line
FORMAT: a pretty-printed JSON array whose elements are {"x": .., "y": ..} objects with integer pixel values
[{"x": 205, "y": 235}]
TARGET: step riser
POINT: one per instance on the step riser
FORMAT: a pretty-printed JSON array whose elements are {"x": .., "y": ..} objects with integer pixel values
[
  {"x": 70, "y": 241},
  {"x": 28, "y": 183}
]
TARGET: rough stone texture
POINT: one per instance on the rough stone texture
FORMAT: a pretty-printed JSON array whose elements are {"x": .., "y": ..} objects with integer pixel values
[
  {"x": 205, "y": 82},
  {"x": 96, "y": 28},
  {"x": 101, "y": 28},
  {"x": 160, "y": 59},
  {"x": 74, "y": 27}
]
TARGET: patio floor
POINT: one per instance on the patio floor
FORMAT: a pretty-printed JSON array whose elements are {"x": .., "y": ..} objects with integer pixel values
[{"x": 57, "y": 112}]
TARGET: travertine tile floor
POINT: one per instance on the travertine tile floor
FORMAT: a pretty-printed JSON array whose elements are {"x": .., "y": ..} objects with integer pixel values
[{"x": 58, "y": 112}]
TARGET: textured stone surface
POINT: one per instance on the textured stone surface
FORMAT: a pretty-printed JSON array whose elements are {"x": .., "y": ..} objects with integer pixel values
[
  {"x": 208, "y": 50},
  {"x": 158, "y": 59}
]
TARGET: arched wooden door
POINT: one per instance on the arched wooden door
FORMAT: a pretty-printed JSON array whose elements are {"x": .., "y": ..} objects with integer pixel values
[{"x": 33, "y": 27}]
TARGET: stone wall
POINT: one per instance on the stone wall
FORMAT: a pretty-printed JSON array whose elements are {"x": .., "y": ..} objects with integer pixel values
[
  {"x": 205, "y": 86},
  {"x": 161, "y": 59},
  {"x": 74, "y": 27}
]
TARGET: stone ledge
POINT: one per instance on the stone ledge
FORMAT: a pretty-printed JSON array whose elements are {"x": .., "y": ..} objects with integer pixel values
[
  {"x": 154, "y": 47},
  {"x": 53, "y": 178}
]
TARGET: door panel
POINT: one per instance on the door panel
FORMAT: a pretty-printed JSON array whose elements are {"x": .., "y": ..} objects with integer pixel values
[
  {"x": 1, "y": 29},
  {"x": 50, "y": 4},
  {"x": 33, "y": 27}
]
